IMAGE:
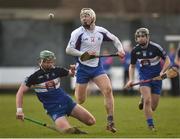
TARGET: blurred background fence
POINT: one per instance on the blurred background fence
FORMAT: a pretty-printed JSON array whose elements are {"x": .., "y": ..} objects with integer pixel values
[{"x": 25, "y": 30}]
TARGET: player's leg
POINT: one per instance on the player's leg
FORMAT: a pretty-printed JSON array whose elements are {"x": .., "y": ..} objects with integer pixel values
[
  {"x": 155, "y": 101},
  {"x": 141, "y": 103},
  {"x": 104, "y": 84},
  {"x": 83, "y": 115},
  {"x": 82, "y": 79},
  {"x": 80, "y": 92},
  {"x": 156, "y": 91},
  {"x": 62, "y": 123},
  {"x": 146, "y": 93},
  {"x": 63, "y": 126}
]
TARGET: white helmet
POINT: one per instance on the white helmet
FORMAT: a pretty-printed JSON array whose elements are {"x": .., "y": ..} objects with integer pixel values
[{"x": 90, "y": 12}]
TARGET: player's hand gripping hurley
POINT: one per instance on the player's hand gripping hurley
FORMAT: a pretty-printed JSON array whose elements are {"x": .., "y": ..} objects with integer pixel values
[{"x": 170, "y": 73}]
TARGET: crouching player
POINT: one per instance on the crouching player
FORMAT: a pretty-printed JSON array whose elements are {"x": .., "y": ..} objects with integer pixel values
[
  {"x": 148, "y": 55},
  {"x": 57, "y": 103}
]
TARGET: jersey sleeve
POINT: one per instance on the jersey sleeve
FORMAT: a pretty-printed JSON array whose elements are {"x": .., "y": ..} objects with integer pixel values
[
  {"x": 75, "y": 38},
  {"x": 63, "y": 72},
  {"x": 107, "y": 36},
  {"x": 162, "y": 53},
  {"x": 133, "y": 57},
  {"x": 29, "y": 81}
]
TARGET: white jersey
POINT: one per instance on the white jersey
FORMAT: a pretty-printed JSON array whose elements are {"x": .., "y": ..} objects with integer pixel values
[{"x": 85, "y": 40}]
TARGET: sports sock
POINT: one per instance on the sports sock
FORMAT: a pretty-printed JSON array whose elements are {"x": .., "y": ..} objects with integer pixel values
[
  {"x": 150, "y": 122},
  {"x": 110, "y": 118}
]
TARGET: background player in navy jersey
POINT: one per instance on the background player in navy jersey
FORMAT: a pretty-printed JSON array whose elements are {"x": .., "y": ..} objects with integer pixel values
[
  {"x": 88, "y": 38},
  {"x": 177, "y": 57},
  {"x": 148, "y": 55},
  {"x": 46, "y": 83}
]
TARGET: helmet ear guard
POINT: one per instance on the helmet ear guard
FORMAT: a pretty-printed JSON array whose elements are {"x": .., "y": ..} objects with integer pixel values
[{"x": 141, "y": 31}]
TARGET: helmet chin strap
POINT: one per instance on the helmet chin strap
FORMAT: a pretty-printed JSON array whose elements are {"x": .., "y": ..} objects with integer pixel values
[{"x": 40, "y": 65}]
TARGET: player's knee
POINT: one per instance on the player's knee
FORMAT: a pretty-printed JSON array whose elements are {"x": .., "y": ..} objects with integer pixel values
[
  {"x": 147, "y": 101},
  {"x": 80, "y": 101},
  {"x": 108, "y": 91},
  {"x": 154, "y": 108},
  {"x": 91, "y": 121}
]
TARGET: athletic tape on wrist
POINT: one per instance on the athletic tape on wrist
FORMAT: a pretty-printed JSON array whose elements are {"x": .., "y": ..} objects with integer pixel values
[{"x": 19, "y": 109}]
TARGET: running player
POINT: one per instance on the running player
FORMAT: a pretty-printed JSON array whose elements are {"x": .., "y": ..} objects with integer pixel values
[
  {"x": 88, "y": 39},
  {"x": 46, "y": 83},
  {"x": 148, "y": 55},
  {"x": 177, "y": 57}
]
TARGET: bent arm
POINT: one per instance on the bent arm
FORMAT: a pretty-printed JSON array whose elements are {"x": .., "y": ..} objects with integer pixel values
[
  {"x": 166, "y": 65},
  {"x": 131, "y": 76},
  {"x": 72, "y": 51}
]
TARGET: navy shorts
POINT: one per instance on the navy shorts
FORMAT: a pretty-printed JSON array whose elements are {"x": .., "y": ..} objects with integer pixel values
[
  {"x": 155, "y": 86},
  {"x": 85, "y": 73},
  {"x": 61, "y": 104}
]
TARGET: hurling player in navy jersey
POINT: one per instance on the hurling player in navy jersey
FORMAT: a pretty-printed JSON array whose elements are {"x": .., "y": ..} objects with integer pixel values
[
  {"x": 87, "y": 39},
  {"x": 177, "y": 57},
  {"x": 58, "y": 104},
  {"x": 148, "y": 55}
]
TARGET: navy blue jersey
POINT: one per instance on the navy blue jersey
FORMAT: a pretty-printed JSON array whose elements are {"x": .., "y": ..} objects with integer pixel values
[
  {"x": 47, "y": 87},
  {"x": 148, "y": 59},
  {"x": 46, "y": 83}
]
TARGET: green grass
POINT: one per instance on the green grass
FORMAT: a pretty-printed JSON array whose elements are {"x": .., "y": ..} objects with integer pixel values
[{"x": 130, "y": 121}]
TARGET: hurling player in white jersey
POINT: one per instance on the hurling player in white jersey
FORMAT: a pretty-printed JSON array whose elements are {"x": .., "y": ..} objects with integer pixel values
[{"x": 89, "y": 38}]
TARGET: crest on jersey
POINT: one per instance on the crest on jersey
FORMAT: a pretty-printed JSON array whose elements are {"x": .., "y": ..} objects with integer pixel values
[
  {"x": 138, "y": 53},
  {"x": 150, "y": 53},
  {"x": 144, "y": 53}
]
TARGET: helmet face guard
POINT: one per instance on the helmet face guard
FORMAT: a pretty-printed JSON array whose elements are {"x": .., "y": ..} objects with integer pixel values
[
  {"x": 89, "y": 12},
  {"x": 46, "y": 55},
  {"x": 141, "y": 32}
]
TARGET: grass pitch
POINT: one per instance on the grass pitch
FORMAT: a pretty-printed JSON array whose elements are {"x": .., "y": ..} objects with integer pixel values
[{"x": 130, "y": 121}]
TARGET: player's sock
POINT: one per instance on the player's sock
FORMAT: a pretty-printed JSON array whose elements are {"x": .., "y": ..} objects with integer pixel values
[
  {"x": 110, "y": 118},
  {"x": 110, "y": 124},
  {"x": 150, "y": 122}
]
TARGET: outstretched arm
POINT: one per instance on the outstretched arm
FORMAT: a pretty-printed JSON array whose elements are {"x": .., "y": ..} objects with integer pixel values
[
  {"x": 131, "y": 76},
  {"x": 19, "y": 101},
  {"x": 117, "y": 43}
]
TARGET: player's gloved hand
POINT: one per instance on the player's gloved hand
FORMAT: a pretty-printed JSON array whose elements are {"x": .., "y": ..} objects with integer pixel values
[
  {"x": 121, "y": 54},
  {"x": 72, "y": 70},
  {"x": 128, "y": 84},
  {"x": 87, "y": 56},
  {"x": 20, "y": 114}
]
